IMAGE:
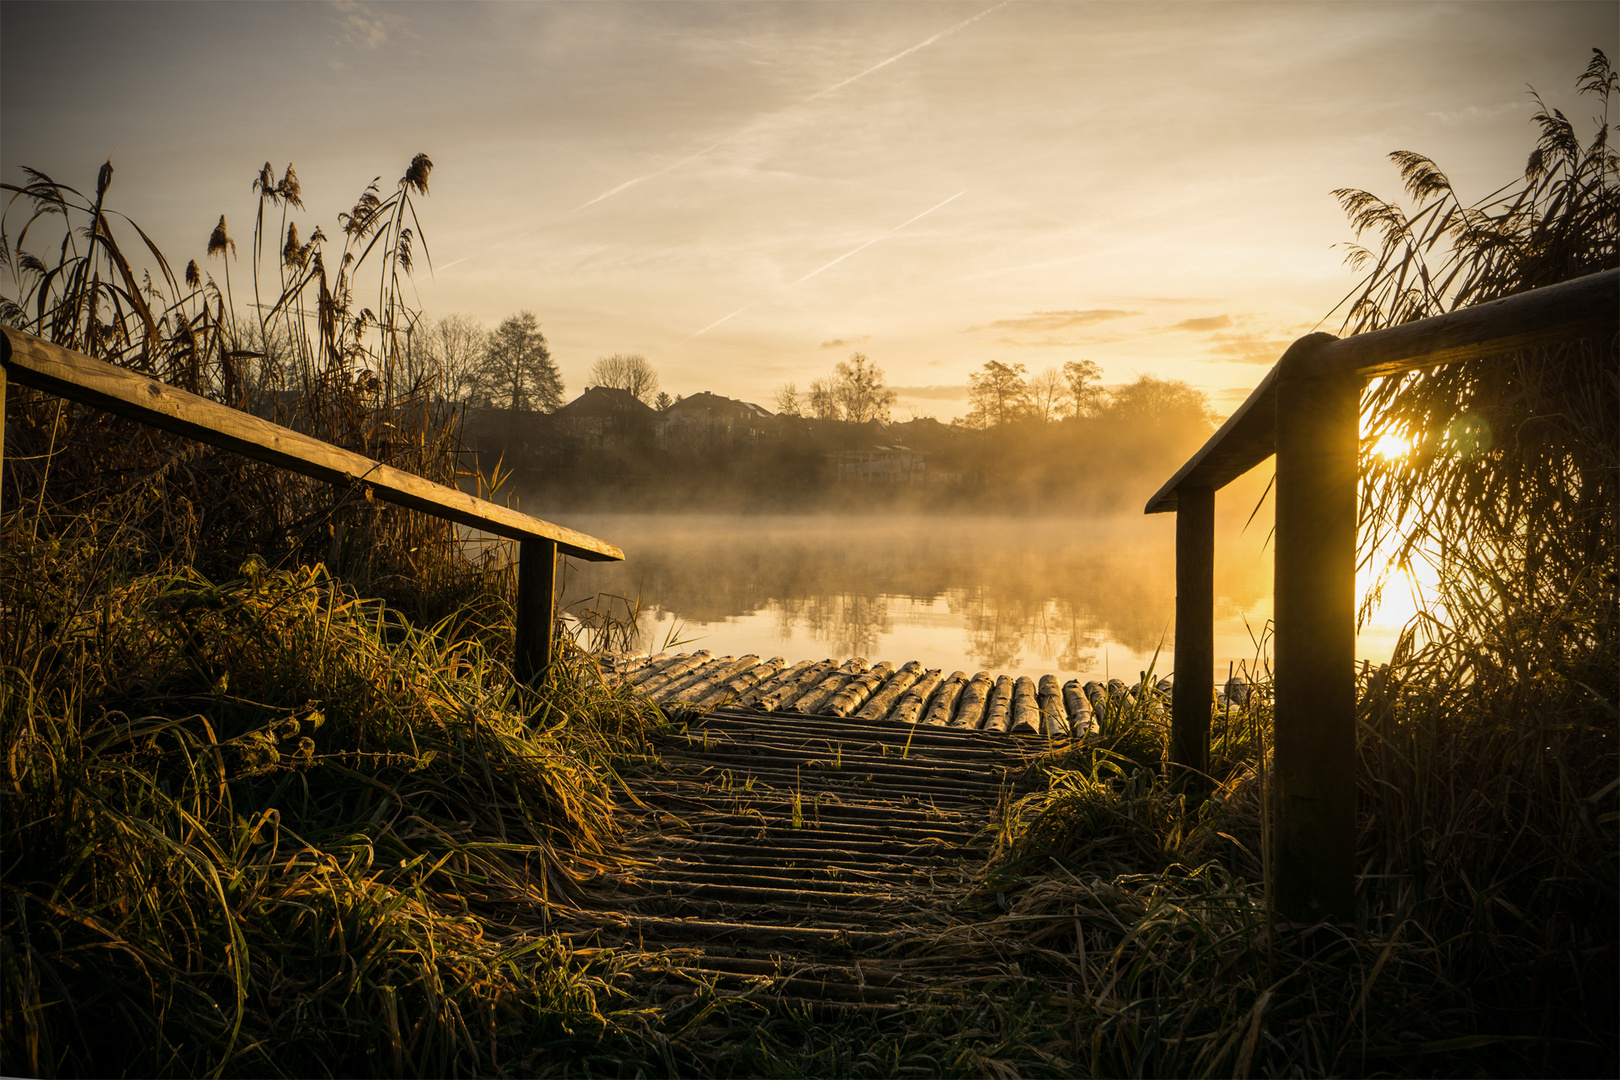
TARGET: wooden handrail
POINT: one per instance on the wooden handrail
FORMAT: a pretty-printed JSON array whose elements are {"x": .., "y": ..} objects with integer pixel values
[
  {"x": 1582, "y": 308},
  {"x": 34, "y": 362},
  {"x": 1306, "y": 412},
  {"x": 31, "y": 361}
]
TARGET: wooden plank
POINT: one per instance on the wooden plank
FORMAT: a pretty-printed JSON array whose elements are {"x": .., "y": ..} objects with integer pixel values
[
  {"x": 1078, "y": 708},
  {"x": 36, "y": 363},
  {"x": 1026, "y": 712},
  {"x": 770, "y": 683},
  {"x": 1054, "y": 719},
  {"x": 970, "y": 706},
  {"x": 694, "y": 691},
  {"x": 536, "y": 616},
  {"x": 998, "y": 709},
  {"x": 1195, "y": 635},
  {"x": 882, "y": 701},
  {"x": 909, "y": 709},
  {"x": 942, "y": 706},
  {"x": 1587, "y": 307},
  {"x": 821, "y": 692},
  {"x": 857, "y": 690},
  {"x": 735, "y": 687},
  {"x": 1314, "y": 835},
  {"x": 682, "y": 667},
  {"x": 785, "y": 690}
]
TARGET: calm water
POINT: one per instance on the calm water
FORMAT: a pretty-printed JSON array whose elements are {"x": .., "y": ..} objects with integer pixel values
[{"x": 1069, "y": 597}]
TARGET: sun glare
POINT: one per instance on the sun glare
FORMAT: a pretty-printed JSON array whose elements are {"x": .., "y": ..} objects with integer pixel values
[{"x": 1392, "y": 446}]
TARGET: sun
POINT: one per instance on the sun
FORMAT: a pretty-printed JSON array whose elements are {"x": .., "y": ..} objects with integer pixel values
[{"x": 1392, "y": 445}]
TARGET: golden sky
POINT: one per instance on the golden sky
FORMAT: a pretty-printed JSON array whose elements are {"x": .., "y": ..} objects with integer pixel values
[{"x": 747, "y": 192}]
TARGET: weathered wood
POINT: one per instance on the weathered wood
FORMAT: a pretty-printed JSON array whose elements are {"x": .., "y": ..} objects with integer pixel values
[
  {"x": 31, "y": 361},
  {"x": 942, "y": 706},
  {"x": 734, "y": 688},
  {"x": 1026, "y": 711},
  {"x": 822, "y": 692},
  {"x": 2, "y": 436},
  {"x": 1078, "y": 708},
  {"x": 722, "y": 668},
  {"x": 908, "y": 710},
  {"x": 765, "y": 686},
  {"x": 883, "y": 698},
  {"x": 535, "y": 618},
  {"x": 1054, "y": 719},
  {"x": 679, "y": 669},
  {"x": 998, "y": 709},
  {"x": 657, "y": 666},
  {"x": 786, "y": 690},
  {"x": 970, "y": 706},
  {"x": 1315, "y": 694},
  {"x": 646, "y": 668},
  {"x": 1584, "y": 308},
  {"x": 1097, "y": 694},
  {"x": 854, "y": 693},
  {"x": 693, "y": 691},
  {"x": 1195, "y": 633}
]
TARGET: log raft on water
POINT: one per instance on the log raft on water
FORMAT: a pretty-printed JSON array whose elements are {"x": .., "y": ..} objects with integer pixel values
[{"x": 863, "y": 692}]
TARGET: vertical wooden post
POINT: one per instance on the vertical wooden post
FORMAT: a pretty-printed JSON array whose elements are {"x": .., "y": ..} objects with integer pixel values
[
  {"x": 1190, "y": 698},
  {"x": 1315, "y": 736},
  {"x": 6, "y": 347},
  {"x": 536, "y": 607}
]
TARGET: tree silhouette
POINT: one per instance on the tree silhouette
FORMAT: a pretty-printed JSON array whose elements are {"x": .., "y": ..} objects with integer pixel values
[{"x": 517, "y": 370}]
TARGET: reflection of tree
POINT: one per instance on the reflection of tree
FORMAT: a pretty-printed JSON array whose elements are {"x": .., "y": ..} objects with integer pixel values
[
  {"x": 1059, "y": 588},
  {"x": 849, "y": 624}
]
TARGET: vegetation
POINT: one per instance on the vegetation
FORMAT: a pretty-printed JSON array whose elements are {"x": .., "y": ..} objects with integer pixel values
[
  {"x": 517, "y": 370},
  {"x": 630, "y": 373},
  {"x": 255, "y": 823}
]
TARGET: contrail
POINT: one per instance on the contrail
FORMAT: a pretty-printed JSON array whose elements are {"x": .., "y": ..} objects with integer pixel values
[
  {"x": 906, "y": 53},
  {"x": 835, "y": 262},
  {"x": 813, "y": 97},
  {"x": 718, "y": 321},
  {"x": 875, "y": 239}
]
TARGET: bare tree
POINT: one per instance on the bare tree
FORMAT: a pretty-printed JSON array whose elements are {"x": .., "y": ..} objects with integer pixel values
[
  {"x": 454, "y": 350},
  {"x": 627, "y": 371},
  {"x": 789, "y": 402},
  {"x": 824, "y": 400},
  {"x": 858, "y": 386},
  {"x": 1047, "y": 392}
]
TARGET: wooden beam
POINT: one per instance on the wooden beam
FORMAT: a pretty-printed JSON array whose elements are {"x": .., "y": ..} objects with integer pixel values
[
  {"x": 31, "y": 361},
  {"x": 536, "y": 615},
  {"x": 1190, "y": 697},
  {"x": 1587, "y": 307},
  {"x": 1314, "y": 836}
]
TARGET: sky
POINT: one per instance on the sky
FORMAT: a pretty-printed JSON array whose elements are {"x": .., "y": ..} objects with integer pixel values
[{"x": 747, "y": 193}]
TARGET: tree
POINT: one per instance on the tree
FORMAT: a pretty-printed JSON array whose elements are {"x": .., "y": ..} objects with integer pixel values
[
  {"x": 517, "y": 369},
  {"x": 663, "y": 401},
  {"x": 1162, "y": 403},
  {"x": 629, "y": 372},
  {"x": 824, "y": 400},
  {"x": 453, "y": 349},
  {"x": 998, "y": 395},
  {"x": 1082, "y": 379},
  {"x": 1046, "y": 395},
  {"x": 789, "y": 402},
  {"x": 860, "y": 392}
]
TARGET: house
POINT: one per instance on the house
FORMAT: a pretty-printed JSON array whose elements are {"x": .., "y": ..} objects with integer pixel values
[
  {"x": 710, "y": 418},
  {"x": 603, "y": 416}
]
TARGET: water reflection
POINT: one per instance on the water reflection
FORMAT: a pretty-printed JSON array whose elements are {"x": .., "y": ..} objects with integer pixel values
[{"x": 1059, "y": 596}]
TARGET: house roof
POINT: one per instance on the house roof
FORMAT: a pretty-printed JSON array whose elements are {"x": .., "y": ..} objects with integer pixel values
[{"x": 603, "y": 401}]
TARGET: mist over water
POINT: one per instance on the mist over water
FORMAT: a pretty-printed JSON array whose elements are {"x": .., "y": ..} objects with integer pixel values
[{"x": 1076, "y": 596}]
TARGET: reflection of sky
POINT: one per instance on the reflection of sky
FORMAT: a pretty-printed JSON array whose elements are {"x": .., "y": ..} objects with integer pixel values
[{"x": 1062, "y": 597}]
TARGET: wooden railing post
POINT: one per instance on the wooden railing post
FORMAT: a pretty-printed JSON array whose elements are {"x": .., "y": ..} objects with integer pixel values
[
  {"x": 1190, "y": 699},
  {"x": 536, "y": 607},
  {"x": 1315, "y": 792}
]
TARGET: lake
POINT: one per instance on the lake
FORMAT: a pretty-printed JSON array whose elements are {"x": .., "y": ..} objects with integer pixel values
[{"x": 1070, "y": 596}]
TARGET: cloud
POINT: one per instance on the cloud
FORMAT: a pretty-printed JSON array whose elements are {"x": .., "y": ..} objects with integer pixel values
[
  {"x": 362, "y": 26},
  {"x": 931, "y": 393},
  {"x": 845, "y": 343},
  {"x": 1051, "y": 321},
  {"x": 1212, "y": 322},
  {"x": 1232, "y": 396},
  {"x": 1249, "y": 348}
]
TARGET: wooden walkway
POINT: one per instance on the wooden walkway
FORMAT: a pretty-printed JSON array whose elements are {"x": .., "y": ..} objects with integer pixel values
[
  {"x": 881, "y": 692},
  {"x": 822, "y": 862}
]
